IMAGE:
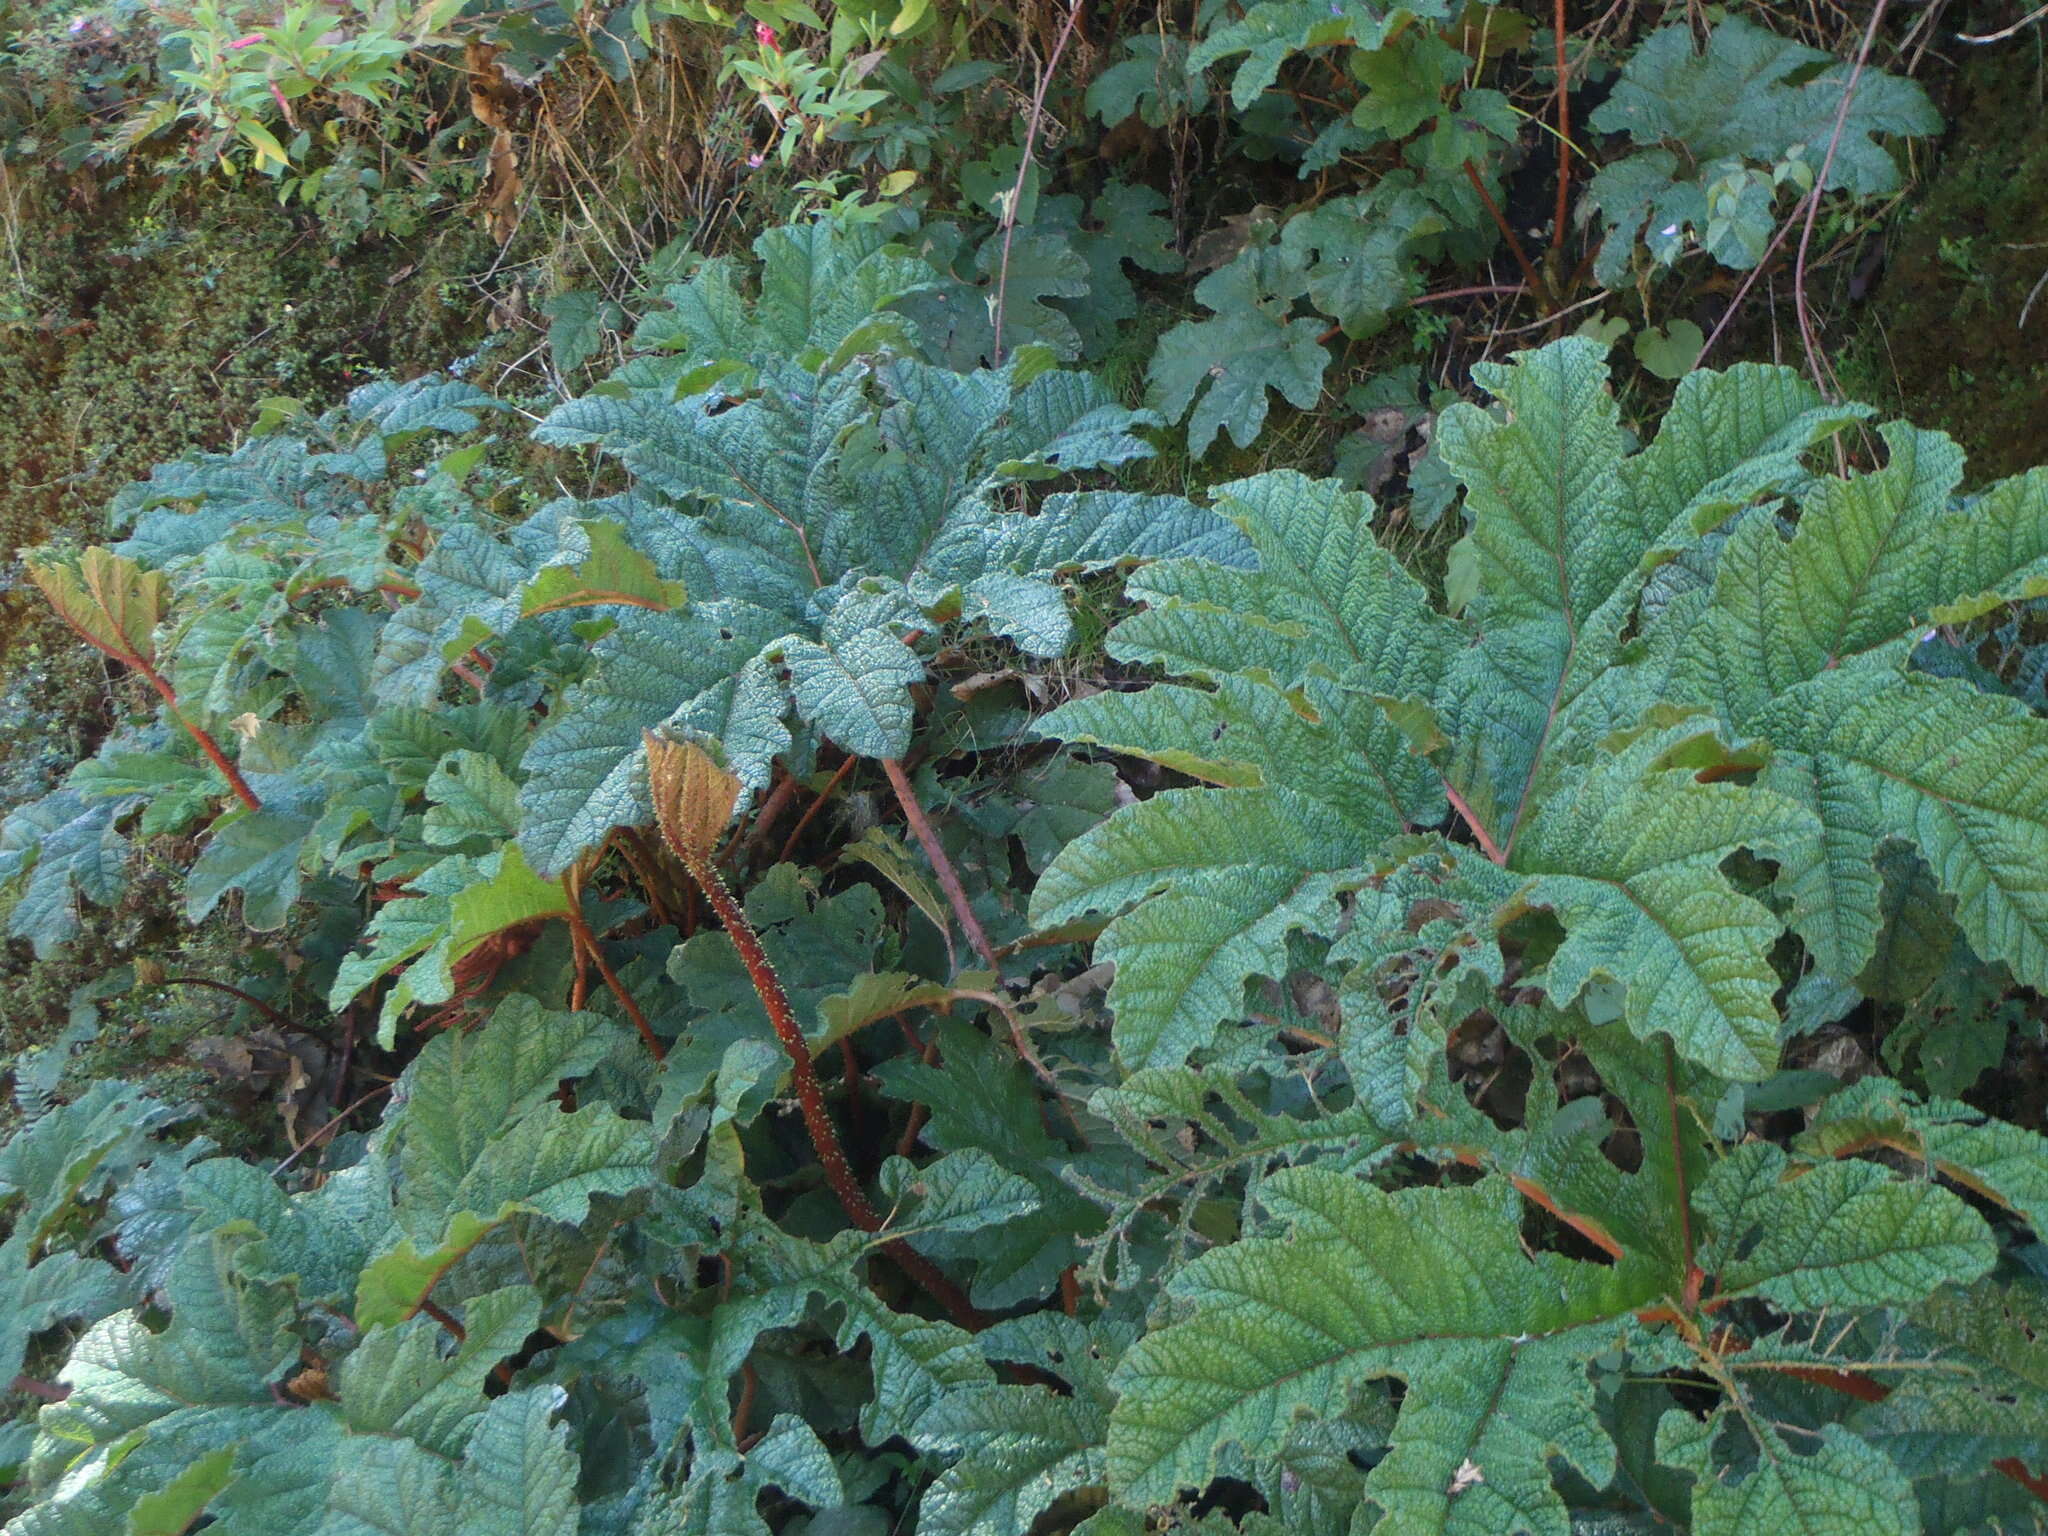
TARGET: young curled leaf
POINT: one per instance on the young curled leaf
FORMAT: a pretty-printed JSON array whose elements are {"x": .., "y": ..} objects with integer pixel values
[{"x": 693, "y": 796}]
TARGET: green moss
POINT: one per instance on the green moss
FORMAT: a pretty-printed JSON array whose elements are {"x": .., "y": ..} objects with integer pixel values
[
  {"x": 1942, "y": 344},
  {"x": 130, "y": 332},
  {"x": 136, "y": 334}
]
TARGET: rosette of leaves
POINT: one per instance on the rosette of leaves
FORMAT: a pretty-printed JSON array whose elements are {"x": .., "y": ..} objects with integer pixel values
[
  {"x": 1692, "y": 148},
  {"x": 261, "y": 568},
  {"x": 1611, "y": 804},
  {"x": 1661, "y": 658},
  {"x": 478, "y": 1322},
  {"x": 837, "y": 511}
]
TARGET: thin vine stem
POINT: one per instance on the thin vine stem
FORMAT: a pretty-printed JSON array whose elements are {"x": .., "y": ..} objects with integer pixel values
[
  {"x": 1530, "y": 275},
  {"x": 276, "y": 1016},
  {"x": 1564, "y": 131},
  {"x": 1816, "y": 360},
  {"x": 1024, "y": 165}
]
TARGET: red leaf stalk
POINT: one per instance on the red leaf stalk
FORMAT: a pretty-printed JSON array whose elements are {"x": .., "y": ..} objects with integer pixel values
[{"x": 949, "y": 878}]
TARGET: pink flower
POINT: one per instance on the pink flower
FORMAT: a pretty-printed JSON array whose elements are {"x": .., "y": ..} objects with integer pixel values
[
  {"x": 247, "y": 42},
  {"x": 765, "y": 36}
]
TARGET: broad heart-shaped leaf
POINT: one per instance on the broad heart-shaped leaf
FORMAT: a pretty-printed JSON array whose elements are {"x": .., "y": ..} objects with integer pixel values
[
  {"x": 1367, "y": 269},
  {"x": 1318, "y": 598},
  {"x": 1270, "y": 32},
  {"x": 227, "y": 1340},
  {"x": 821, "y": 285},
  {"x": 473, "y": 797},
  {"x": 36, "y": 1296},
  {"x": 461, "y": 903},
  {"x": 400, "y": 1381},
  {"x": 258, "y": 853},
  {"x": 596, "y": 566},
  {"x": 1251, "y": 345},
  {"x": 1029, "y": 268},
  {"x": 75, "y": 1151},
  {"x": 982, "y": 1098},
  {"x": 517, "y": 1477},
  {"x": 1565, "y": 527},
  {"x": 963, "y": 1192},
  {"x": 1958, "y": 1422},
  {"x": 476, "y": 1136},
  {"x": 1021, "y": 1448},
  {"x": 1627, "y": 852},
  {"x": 586, "y": 773},
  {"x": 853, "y": 682},
  {"x": 469, "y": 591},
  {"x": 1430, "y": 1286},
  {"x": 828, "y": 518},
  {"x": 1221, "y": 878},
  {"x": 1737, "y": 98},
  {"x": 915, "y": 1361}
]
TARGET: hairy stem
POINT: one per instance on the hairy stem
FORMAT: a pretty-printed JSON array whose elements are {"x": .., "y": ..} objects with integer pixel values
[
  {"x": 156, "y": 680},
  {"x": 207, "y": 744},
  {"x": 810, "y": 1095}
]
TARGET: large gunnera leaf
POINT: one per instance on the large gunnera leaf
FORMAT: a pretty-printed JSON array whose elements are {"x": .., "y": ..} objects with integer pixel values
[
  {"x": 1661, "y": 658},
  {"x": 822, "y": 524}
]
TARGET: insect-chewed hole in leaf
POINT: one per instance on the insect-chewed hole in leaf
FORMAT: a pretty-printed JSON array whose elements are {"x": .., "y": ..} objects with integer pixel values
[
  {"x": 1230, "y": 1497},
  {"x": 1624, "y": 1144},
  {"x": 1494, "y": 1072},
  {"x": 531, "y": 1348}
]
